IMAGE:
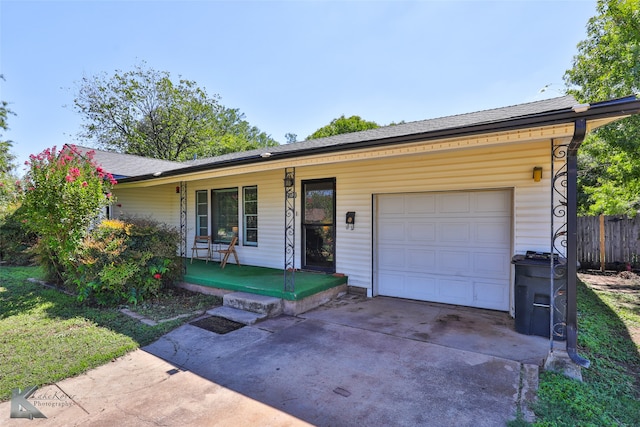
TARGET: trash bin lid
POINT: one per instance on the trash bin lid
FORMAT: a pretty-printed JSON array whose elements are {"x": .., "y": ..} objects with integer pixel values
[{"x": 536, "y": 258}]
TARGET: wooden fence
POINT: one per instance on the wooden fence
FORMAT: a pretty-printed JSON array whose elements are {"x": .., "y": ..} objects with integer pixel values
[{"x": 609, "y": 242}]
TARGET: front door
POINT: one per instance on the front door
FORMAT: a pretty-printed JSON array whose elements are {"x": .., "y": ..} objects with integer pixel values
[{"x": 318, "y": 225}]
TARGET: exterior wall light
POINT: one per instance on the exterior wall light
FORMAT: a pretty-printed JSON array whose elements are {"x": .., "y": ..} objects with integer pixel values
[
  {"x": 537, "y": 173},
  {"x": 288, "y": 180}
]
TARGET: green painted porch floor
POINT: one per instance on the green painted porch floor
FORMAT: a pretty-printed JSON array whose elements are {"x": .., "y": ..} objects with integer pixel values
[{"x": 259, "y": 280}]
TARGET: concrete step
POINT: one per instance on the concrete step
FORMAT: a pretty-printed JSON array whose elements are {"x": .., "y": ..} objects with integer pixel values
[
  {"x": 260, "y": 304},
  {"x": 240, "y": 316}
]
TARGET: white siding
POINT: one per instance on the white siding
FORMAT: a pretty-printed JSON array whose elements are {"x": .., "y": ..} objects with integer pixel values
[
  {"x": 160, "y": 203},
  {"x": 497, "y": 167}
]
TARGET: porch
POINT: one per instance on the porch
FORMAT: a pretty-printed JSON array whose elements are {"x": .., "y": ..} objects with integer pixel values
[{"x": 259, "y": 280}]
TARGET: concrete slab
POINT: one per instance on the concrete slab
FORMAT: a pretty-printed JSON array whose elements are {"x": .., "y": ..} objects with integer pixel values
[
  {"x": 237, "y": 315},
  {"x": 560, "y": 362},
  {"x": 261, "y": 304}
]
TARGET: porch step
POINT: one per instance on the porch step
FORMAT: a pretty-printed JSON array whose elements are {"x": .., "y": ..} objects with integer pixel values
[
  {"x": 240, "y": 316},
  {"x": 260, "y": 304}
]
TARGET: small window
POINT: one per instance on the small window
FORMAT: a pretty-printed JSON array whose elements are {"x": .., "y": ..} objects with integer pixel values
[
  {"x": 250, "y": 211},
  {"x": 224, "y": 213},
  {"x": 202, "y": 213}
]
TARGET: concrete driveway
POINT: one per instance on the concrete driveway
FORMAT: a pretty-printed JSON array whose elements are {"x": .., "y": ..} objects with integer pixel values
[{"x": 353, "y": 362}]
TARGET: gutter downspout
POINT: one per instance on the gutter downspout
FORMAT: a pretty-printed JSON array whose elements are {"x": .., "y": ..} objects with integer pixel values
[{"x": 579, "y": 133}]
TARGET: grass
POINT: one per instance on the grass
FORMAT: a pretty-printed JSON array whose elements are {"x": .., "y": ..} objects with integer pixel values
[
  {"x": 610, "y": 392},
  {"x": 46, "y": 335}
]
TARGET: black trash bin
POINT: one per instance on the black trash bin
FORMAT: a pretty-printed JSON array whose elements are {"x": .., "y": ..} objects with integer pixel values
[{"x": 533, "y": 294}]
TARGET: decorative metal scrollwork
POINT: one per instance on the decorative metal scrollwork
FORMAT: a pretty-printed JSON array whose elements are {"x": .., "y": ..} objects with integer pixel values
[
  {"x": 183, "y": 225},
  {"x": 289, "y": 229},
  {"x": 559, "y": 211}
]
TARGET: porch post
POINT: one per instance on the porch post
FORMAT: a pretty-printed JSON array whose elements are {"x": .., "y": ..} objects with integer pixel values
[
  {"x": 289, "y": 229},
  {"x": 183, "y": 225}
]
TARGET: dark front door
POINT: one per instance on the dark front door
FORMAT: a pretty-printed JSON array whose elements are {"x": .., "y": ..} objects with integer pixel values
[{"x": 318, "y": 225}]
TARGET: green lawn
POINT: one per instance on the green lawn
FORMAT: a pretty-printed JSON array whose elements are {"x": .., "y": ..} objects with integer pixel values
[
  {"x": 46, "y": 335},
  {"x": 610, "y": 392}
]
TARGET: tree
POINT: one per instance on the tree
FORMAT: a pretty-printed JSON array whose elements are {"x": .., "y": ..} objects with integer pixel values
[
  {"x": 343, "y": 125},
  {"x": 7, "y": 179},
  {"x": 144, "y": 112},
  {"x": 607, "y": 66},
  {"x": 291, "y": 137},
  {"x": 64, "y": 194}
]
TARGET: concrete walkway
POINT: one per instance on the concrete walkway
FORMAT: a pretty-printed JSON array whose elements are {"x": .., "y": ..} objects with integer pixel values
[{"x": 353, "y": 362}]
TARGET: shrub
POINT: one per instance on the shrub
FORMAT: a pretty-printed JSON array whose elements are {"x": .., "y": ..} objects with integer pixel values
[
  {"x": 127, "y": 260},
  {"x": 15, "y": 240},
  {"x": 64, "y": 193}
]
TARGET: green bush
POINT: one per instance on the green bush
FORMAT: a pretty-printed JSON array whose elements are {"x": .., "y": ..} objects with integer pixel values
[
  {"x": 127, "y": 261},
  {"x": 15, "y": 240}
]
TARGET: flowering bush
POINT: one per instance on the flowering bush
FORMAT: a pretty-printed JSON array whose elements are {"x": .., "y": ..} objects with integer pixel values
[
  {"x": 64, "y": 193},
  {"x": 127, "y": 260}
]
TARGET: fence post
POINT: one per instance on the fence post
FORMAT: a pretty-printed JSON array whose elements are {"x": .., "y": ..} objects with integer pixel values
[{"x": 602, "y": 244}]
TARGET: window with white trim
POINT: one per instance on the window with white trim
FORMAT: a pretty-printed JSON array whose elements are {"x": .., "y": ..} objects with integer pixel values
[
  {"x": 250, "y": 213},
  {"x": 202, "y": 213},
  {"x": 224, "y": 214}
]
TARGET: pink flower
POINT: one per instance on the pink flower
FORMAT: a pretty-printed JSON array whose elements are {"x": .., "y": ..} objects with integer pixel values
[
  {"x": 69, "y": 178},
  {"x": 108, "y": 195},
  {"x": 157, "y": 276},
  {"x": 75, "y": 172},
  {"x": 84, "y": 183}
]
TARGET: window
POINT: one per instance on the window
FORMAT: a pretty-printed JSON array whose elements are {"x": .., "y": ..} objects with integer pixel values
[
  {"x": 202, "y": 214},
  {"x": 224, "y": 214},
  {"x": 250, "y": 211}
]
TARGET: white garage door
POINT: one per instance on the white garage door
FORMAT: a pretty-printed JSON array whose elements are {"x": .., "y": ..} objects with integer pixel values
[{"x": 452, "y": 247}]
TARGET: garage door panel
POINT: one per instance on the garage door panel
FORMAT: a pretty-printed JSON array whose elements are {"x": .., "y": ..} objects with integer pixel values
[
  {"x": 393, "y": 231},
  {"x": 493, "y": 233},
  {"x": 455, "y": 291},
  {"x": 492, "y": 295},
  {"x": 393, "y": 282},
  {"x": 454, "y": 203},
  {"x": 391, "y": 204},
  {"x": 454, "y": 232},
  {"x": 421, "y": 204},
  {"x": 392, "y": 258},
  {"x": 491, "y": 264},
  {"x": 492, "y": 202},
  {"x": 424, "y": 287},
  {"x": 445, "y": 247},
  {"x": 453, "y": 262},
  {"x": 421, "y": 232},
  {"x": 421, "y": 260}
]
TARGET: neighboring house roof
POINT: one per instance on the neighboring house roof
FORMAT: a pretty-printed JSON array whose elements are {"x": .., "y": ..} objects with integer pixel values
[
  {"x": 127, "y": 165},
  {"x": 533, "y": 114}
]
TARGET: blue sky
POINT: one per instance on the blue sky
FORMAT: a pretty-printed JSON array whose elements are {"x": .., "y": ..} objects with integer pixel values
[{"x": 289, "y": 66}]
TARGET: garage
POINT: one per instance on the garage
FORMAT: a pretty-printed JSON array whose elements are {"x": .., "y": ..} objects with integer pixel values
[{"x": 448, "y": 247}]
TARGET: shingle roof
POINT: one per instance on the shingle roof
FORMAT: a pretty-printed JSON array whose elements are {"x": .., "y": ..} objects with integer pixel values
[
  {"x": 406, "y": 129},
  {"x": 127, "y": 165}
]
